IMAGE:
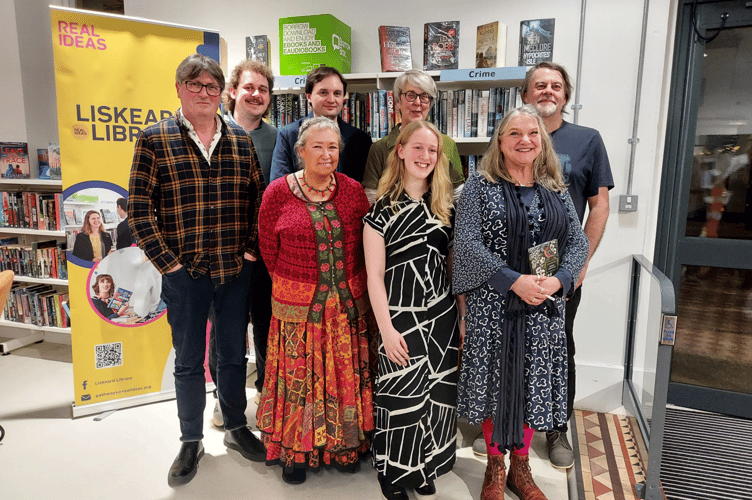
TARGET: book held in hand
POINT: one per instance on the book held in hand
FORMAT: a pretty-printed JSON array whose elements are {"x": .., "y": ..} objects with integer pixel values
[
  {"x": 441, "y": 45},
  {"x": 121, "y": 297},
  {"x": 394, "y": 42},
  {"x": 536, "y": 41},
  {"x": 544, "y": 258}
]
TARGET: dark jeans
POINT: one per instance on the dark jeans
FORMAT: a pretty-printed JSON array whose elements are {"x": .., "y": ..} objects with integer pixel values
[
  {"x": 261, "y": 312},
  {"x": 188, "y": 302},
  {"x": 571, "y": 311}
]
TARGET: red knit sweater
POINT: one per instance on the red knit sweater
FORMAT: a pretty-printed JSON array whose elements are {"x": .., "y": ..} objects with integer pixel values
[{"x": 289, "y": 246}]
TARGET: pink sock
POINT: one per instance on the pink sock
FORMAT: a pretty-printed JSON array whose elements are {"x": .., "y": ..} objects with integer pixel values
[
  {"x": 487, "y": 427},
  {"x": 527, "y": 439}
]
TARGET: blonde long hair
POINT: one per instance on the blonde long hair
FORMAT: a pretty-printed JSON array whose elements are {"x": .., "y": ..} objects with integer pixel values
[
  {"x": 439, "y": 184},
  {"x": 546, "y": 167}
]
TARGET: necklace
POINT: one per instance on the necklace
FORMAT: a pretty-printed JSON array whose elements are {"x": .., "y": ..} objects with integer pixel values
[{"x": 312, "y": 189}]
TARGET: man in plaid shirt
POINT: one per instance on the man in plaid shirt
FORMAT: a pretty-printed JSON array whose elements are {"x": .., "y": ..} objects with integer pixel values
[{"x": 194, "y": 196}]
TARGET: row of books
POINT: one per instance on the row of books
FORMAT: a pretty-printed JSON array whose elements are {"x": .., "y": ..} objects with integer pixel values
[
  {"x": 469, "y": 164},
  {"x": 38, "y": 305},
  {"x": 40, "y": 259},
  {"x": 457, "y": 113},
  {"x": 15, "y": 162},
  {"x": 441, "y": 45},
  {"x": 29, "y": 210},
  {"x": 473, "y": 112}
]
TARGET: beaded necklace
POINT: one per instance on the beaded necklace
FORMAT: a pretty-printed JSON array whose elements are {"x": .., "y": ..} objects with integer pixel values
[{"x": 312, "y": 189}]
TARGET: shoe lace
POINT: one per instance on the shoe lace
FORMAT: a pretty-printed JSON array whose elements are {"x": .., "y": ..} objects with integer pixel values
[{"x": 561, "y": 440}]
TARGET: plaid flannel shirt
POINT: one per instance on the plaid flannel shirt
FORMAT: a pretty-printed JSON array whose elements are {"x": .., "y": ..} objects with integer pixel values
[{"x": 185, "y": 210}]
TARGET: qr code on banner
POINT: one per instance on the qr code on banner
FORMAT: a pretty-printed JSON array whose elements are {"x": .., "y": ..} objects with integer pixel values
[{"x": 109, "y": 355}]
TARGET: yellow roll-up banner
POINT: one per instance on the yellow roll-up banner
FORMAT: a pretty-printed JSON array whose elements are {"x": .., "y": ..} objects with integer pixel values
[{"x": 114, "y": 76}]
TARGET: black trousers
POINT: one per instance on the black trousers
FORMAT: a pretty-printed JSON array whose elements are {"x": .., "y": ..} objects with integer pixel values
[{"x": 571, "y": 311}]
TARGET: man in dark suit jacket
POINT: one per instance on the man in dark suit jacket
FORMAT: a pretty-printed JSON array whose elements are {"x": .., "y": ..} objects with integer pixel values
[
  {"x": 325, "y": 91},
  {"x": 124, "y": 235}
]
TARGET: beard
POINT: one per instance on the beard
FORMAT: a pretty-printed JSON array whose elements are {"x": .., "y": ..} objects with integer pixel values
[{"x": 546, "y": 109}]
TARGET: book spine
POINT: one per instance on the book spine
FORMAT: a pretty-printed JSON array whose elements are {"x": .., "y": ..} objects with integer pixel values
[
  {"x": 474, "y": 114},
  {"x": 59, "y": 211},
  {"x": 383, "y": 118},
  {"x": 390, "y": 110},
  {"x": 491, "y": 111},
  {"x": 468, "y": 113}
]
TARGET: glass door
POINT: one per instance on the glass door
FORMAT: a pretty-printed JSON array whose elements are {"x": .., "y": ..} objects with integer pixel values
[{"x": 705, "y": 237}]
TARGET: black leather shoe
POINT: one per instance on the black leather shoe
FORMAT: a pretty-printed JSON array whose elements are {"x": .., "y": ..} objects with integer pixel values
[
  {"x": 244, "y": 442},
  {"x": 185, "y": 465},
  {"x": 391, "y": 491},
  {"x": 427, "y": 492}
]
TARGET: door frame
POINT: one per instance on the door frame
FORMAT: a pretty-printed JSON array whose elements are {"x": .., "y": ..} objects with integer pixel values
[{"x": 673, "y": 249}]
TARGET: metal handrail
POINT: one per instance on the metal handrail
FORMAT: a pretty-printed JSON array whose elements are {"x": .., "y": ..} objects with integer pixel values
[{"x": 652, "y": 431}]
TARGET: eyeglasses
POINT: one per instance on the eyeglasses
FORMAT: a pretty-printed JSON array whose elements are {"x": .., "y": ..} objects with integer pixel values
[
  {"x": 411, "y": 96},
  {"x": 212, "y": 89}
]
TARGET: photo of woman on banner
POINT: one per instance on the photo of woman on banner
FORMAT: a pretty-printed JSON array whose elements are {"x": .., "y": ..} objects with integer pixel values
[
  {"x": 93, "y": 242},
  {"x": 105, "y": 299},
  {"x": 138, "y": 288}
]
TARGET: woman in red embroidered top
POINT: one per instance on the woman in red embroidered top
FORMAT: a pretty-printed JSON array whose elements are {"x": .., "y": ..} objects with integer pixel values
[{"x": 317, "y": 403}]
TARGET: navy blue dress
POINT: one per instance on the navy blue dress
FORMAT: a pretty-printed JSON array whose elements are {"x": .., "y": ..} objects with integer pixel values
[{"x": 480, "y": 255}]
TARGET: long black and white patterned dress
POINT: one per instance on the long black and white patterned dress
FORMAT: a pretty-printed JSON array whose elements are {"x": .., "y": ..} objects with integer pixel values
[
  {"x": 415, "y": 405},
  {"x": 481, "y": 252}
]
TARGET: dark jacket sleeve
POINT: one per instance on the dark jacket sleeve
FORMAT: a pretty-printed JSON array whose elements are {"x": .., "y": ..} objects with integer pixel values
[{"x": 82, "y": 247}]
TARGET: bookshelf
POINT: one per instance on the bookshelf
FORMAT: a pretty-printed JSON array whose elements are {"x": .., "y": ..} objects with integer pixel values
[
  {"x": 22, "y": 334},
  {"x": 446, "y": 81}
]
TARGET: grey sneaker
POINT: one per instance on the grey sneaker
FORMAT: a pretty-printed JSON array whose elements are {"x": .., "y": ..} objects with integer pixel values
[
  {"x": 479, "y": 446},
  {"x": 559, "y": 450},
  {"x": 217, "y": 418}
]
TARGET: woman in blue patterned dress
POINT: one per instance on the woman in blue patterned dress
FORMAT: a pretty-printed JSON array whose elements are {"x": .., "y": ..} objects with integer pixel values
[
  {"x": 514, "y": 366},
  {"x": 407, "y": 240}
]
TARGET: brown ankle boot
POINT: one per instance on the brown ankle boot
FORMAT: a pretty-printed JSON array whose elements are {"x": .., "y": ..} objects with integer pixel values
[
  {"x": 493, "y": 483},
  {"x": 520, "y": 480}
]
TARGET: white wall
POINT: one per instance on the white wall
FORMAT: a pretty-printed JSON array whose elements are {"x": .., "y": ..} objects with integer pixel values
[
  {"x": 13, "y": 126},
  {"x": 609, "y": 81}
]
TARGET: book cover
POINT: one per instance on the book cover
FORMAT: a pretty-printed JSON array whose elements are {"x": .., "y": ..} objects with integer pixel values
[
  {"x": 53, "y": 157},
  {"x": 491, "y": 45},
  {"x": 121, "y": 297},
  {"x": 536, "y": 41},
  {"x": 108, "y": 216},
  {"x": 441, "y": 45},
  {"x": 43, "y": 163},
  {"x": 257, "y": 48},
  {"x": 396, "y": 54},
  {"x": 544, "y": 258},
  {"x": 14, "y": 160}
]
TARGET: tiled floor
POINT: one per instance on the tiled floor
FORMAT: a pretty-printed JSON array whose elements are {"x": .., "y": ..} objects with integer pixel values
[
  {"x": 611, "y": 456},
  {"x": 46, "y": 454}
]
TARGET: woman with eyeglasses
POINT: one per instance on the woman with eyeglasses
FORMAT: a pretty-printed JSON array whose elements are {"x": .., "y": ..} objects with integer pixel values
[{"x": 414, "y": 93}]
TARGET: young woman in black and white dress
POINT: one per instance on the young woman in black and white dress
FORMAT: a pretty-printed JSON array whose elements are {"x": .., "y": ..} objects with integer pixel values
[{"x": 407, "y": 240}]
